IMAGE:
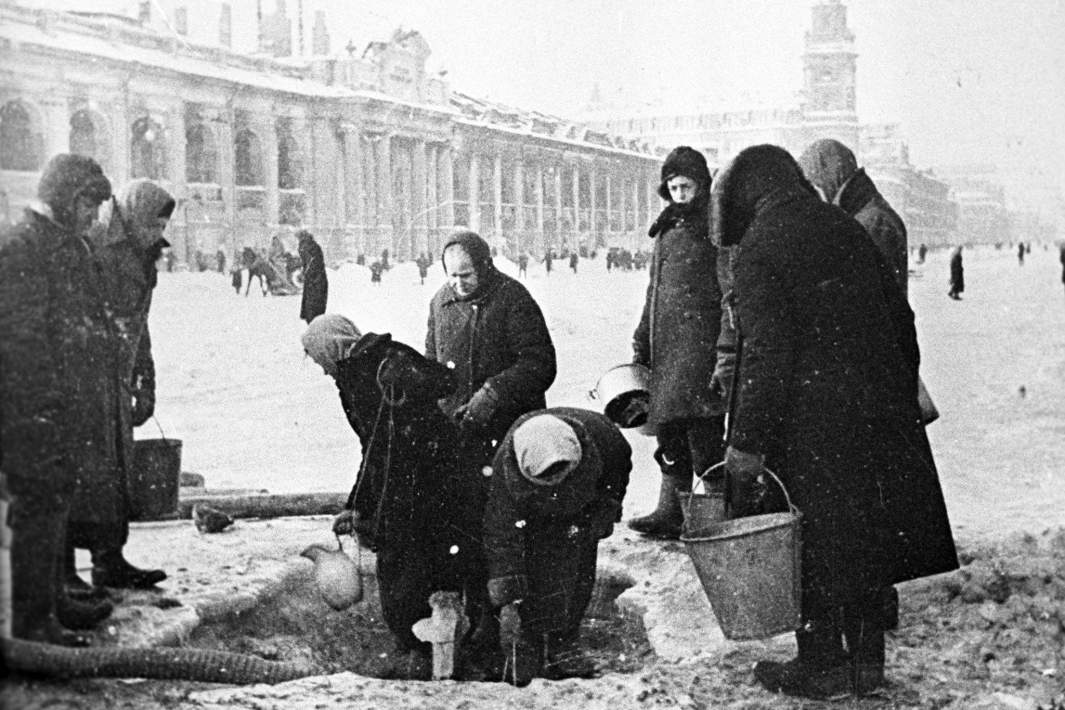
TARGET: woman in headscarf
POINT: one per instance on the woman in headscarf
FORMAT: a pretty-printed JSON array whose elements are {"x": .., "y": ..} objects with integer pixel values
[
  {"x": 411, "y": 501},
  {"x": 127, "y": 243},
  {"x": 676, "y": 339},
  {"x": 826, "y": 397}
]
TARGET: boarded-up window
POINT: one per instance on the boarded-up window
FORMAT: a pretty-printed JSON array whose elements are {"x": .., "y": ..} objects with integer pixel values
[
  {"x": 289, "y": 158},
  {"x": 201, "y": 155},
  {"x": 249, "y": 159}
]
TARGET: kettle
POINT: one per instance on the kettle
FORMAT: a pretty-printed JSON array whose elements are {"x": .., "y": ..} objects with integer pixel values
[{"x": 336, "y": 575}]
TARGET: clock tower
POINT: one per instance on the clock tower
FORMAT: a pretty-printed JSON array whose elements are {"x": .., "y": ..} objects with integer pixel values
[{"x": 829, "y": 69}]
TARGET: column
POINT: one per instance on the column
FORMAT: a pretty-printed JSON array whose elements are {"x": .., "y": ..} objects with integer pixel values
[
  {"x": 175, "y": 158},
  {"x": 557, "y": 190},
  {"x": 432, "y": 188},
  {"x": 419, "y": 210},
  {"x": 540, "y": 203},
  {"x": 576, "y": 205},
  {"x": 55, "y": 127},
  {"x": 383, "y": 226},
  {"x": 652, "y": 195},
  {"x": 368, "y": 226},
  {"x": 519, "y": 199},
  {"x": 268, "y": 135},
  {"x": 497, "y": 192},
  {"x": 353, "y": 166},
  {"x": 475, "y": 192},
  {"x": 608, "y": 205},
  {"x": 120, "y": 126},
  {"x": 447, "y": 187},
  {"x": 593, "y": 176},
  {"x": 636, "y": 205}
]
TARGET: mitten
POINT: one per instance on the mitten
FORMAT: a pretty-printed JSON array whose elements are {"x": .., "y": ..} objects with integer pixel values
[
  {"x": 143, "y": 405},
  {"x": 482, "y": 405}
]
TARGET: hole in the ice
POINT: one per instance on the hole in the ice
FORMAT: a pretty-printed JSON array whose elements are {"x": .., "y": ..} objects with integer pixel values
[{"x": 297, "y": 625}]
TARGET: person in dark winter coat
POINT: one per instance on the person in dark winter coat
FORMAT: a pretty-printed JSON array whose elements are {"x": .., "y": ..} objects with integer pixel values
[
  {"x": 423, "y": 262},
  {"x": 827, "y": 399},
  {"x": 523, "y": 264},
  {"x": 549, "y": 259},
  {"x": 957, "y": 274},
  {"x": 410, "y": 503},
  {"x": 487, "y": 326},
  {"x": 832, "y": 168},
  {"x": 556, "y": 488},
  {"x": 376, "y": 269},
  {"x": 315, "y": 282},
  {"x": 676, "y": 340},
  {"x": 56, "y": 375},
  {"x": 574, "y": 259},
  {"x": 127, "y": 243}
]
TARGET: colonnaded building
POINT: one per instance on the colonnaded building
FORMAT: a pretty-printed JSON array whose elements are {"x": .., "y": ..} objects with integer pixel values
[{"x": 368, "y": 151}]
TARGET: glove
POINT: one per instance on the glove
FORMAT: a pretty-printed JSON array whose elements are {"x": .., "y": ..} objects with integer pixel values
[
  {"x": 143, "y": 405},
  {"x": 481, "y": 407},
  {"x": 746, "y": 488},
  {"x": 507, "y": 590},
  {"x": 344, "y": 523},
  {"x": 601, "y": 522}
]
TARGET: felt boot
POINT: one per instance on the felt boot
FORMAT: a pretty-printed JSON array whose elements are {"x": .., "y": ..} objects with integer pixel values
[
  {"x": 74, "y": 586},
  {"x": 820, "y": 670},
  {"x": 666, "y": 519}
]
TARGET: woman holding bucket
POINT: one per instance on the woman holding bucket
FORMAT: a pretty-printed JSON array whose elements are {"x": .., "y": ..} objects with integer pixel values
[
  {"x": 826, "y": 397},
  {"x": 127, "y": 245},
  {"x": 676, "y": 340}
]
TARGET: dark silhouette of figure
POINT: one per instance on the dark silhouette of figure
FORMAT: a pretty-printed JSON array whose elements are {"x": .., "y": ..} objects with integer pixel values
[
  {"x": 573, "y": 261},
  {"x": 375, "y": 272},
  {"x": 1020, "y": 253},
  {"x": 523, "y": 264},
  {"x": 957, "y": 275},
  {"x": 922, "y": 251}
]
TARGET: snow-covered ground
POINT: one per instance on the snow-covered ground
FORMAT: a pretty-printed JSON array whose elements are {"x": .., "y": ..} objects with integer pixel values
[{"x": 253, "y": 412}]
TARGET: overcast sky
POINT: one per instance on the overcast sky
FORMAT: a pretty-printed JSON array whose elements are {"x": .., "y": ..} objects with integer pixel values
[{"x": 967, "y": 80}]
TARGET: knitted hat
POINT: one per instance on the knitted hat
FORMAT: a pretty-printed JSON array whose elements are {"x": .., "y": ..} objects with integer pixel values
[
  {"x": 547, "y": 449},
  {"x": 686, "y": 161}
]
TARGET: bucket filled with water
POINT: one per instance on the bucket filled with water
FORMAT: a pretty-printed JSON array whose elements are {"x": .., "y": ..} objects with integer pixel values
[
  {"x": 749, "y": 568},
  {"x": 154, "y": 478}
]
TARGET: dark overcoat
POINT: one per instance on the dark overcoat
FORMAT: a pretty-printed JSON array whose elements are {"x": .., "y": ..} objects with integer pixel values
[
  {"x": 498, "y": 336},
  {"x": 957, "y": 272},
  {"x": 680, "y": 323},
  {"x": 827, "y": 385},
  {"x": 860, "y": 199},
  {"x": 315, "y": 282},
  {"x": 56, "y": 356}
]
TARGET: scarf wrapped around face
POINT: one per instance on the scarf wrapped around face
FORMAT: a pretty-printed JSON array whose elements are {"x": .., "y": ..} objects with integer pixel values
[{"x": 132, "y": 215}]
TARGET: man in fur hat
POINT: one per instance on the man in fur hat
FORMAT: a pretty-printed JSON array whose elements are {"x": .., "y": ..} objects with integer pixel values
[
  {"x": 56, "y": 375},
  {"x": 556, "y": 489}
]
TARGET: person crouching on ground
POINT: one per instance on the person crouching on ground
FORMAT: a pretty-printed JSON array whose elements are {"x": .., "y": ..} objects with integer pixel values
[
  {"x": 556, "y": 488},
  {"x": 676, "y": 340}
]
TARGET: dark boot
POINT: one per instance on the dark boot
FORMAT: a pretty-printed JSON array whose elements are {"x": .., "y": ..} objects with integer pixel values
[
  {"x": 110, "y": 569},
  {"x": 891, "y": 608},
  {"x": 568, "y": 660},
  {"x": 864, "y": 633},
  {"x": 72, "y": 583},
  {"x": 819, "y": 671},
  {"x": 37, "y": 521},
  {"x": 667, "y": 518},
  {"x": 81, "y": 615}
]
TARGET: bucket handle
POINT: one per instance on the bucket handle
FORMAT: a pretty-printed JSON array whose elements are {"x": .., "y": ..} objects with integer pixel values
[
  {"x": 159, "y": 426},
  {"x": 701, "y": 479}
]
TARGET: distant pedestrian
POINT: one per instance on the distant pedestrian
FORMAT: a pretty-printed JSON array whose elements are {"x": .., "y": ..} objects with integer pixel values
[
  {"x": 376, "y": 269},
  {"x": 361, "y": 259},
  {"x": 549, "y": 258},
  {"x": 957, "y": 275},
  {"x": 220, "y": 259},
  {"x": 1062, "y": 258},
  {"x": 573, "y": 260},
  {"x": 315, "y": 282},
  {"x": 423, "y": 267},
  {"x": 1020, "y": 253},
  {"x": 523, "y": 264},
  {"x": 922, "y": 251},
  {"x": 236, "y": 277}
]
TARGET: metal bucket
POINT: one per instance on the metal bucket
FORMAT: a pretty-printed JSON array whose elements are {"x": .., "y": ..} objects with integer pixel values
[
  {"x": 154, "y": 478},
  {"x": 705, "y": 508},
  {"x": 625, "y": 393},
  {"x": 750, "y": 570}
]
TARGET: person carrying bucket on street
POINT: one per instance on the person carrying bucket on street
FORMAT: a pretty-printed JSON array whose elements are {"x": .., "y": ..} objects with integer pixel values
[
  {"x": 127, "y": 243},
  {"x": 676, "y": 340},
  {"x": 556, "y": 488},
  {"x": 827, "y": 398}
]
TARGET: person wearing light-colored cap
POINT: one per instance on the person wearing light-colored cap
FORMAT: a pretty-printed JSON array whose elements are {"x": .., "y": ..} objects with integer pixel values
[{"x": 556, "y": 488}]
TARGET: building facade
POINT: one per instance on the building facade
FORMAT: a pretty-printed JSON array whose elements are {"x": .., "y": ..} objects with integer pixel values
[{"x": 368, "y": 152}]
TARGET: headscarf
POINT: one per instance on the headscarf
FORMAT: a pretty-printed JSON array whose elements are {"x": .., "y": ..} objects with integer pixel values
[
  {"x": 480, "y": 254},
  {"x": 690, "y": 163},
  {"x": 828, "y": 165},
  {"x": 133, "y": 211},
  {"x": 540, "y": 443},
  {"x": 758, "y": 177},
  {"x": 330, "y": 339},
  {"x": 67, "y": 177}
]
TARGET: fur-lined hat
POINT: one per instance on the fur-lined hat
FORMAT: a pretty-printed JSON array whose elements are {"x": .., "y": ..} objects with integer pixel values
[{"x": 686, "y": 161}]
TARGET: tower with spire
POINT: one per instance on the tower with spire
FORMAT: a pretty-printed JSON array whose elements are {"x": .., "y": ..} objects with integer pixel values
[{"x": 829, "y": 73}]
